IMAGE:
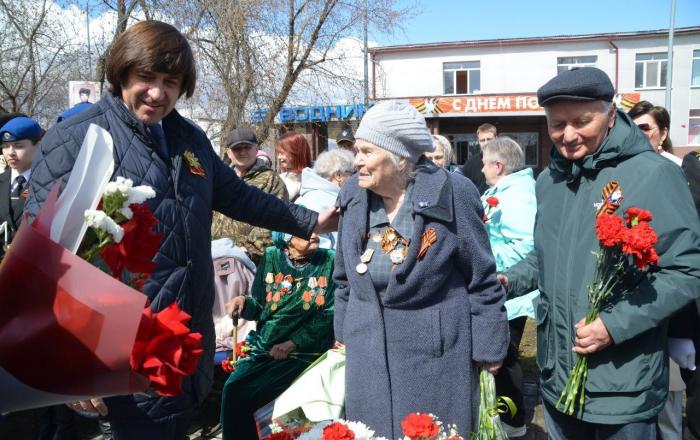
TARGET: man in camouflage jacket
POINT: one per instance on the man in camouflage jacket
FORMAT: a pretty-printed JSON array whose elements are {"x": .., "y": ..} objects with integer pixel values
[{"x": 241, "y": 148}]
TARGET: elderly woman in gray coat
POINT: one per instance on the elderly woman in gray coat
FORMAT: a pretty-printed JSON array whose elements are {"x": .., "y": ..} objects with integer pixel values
[{"x": 418, "y": 305}]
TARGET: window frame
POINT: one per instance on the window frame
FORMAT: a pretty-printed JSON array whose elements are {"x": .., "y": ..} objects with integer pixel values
[
  {"x": 576, "y": 62},
  {"x": 695, "y": 64},
  {"x": 470, "y": 89},
  {"x": 660, "y": 72}
]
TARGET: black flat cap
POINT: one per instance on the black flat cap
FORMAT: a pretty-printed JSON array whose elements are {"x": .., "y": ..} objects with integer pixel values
[
  {"x": 577, "y": 84},
  {"x": 241, "y": 136},
  {"x": 346, "y": 135}
]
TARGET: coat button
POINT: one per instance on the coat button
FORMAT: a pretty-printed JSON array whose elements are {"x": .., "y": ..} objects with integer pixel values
[{"x": 189, "y": 263}]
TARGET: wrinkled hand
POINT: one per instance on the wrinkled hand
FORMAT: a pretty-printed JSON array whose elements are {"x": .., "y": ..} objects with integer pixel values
[
  {"x": 682, "y": 351},
  {"x": 281, "y": 351},
  {"x": 592, "y": 337},
  {"x": 327, "y": 221},
  {"x": 492, "y": 367},
  {"x": 95, "y": 405},
  {"x": 503, "y": 279},
  {"x": 236, "y": 305}
]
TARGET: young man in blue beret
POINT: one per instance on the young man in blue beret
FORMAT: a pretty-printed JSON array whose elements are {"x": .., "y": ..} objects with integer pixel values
[
  {"x": 19, "y": 138},
  {"x": 598, "y": 148}
]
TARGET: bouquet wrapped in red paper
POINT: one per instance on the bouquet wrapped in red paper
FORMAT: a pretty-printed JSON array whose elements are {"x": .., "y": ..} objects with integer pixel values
[{"x": 58, "y": 308}]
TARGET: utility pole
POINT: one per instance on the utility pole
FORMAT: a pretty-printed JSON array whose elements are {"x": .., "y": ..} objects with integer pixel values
[
  {"x": 669, "y": 57},
  {"x": 366, "y": 84}
]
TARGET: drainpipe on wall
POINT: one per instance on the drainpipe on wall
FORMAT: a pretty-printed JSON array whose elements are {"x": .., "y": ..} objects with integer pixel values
[{"x": 617, "y": 61}]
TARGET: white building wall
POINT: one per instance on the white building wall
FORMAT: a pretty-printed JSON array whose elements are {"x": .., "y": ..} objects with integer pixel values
[{"x": 521, "y": 69}]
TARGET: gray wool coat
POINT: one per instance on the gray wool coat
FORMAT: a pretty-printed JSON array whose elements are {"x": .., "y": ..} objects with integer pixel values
[{"x": 414, "y": 348}]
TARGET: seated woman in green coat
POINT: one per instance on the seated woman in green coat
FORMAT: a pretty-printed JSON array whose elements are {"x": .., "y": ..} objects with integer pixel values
[{"x": 292, "y": 302}]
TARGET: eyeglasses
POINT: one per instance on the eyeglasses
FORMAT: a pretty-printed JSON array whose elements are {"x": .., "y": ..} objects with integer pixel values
[{"x": 646, "y": 127}]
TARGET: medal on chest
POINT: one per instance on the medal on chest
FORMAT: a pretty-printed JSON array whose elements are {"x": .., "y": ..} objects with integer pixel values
[{"x": 364, "y": 259}]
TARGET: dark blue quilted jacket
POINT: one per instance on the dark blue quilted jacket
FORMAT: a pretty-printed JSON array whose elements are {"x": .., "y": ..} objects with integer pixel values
[{"x": 183, "y": 207}]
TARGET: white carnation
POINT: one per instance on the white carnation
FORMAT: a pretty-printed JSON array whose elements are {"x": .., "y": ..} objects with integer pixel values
[
  {"x": 121, "y": 185},
  {"x": 139, "y": 194},
  {"x": 361, "y": 431},
  {"x": 99, "y": 220}
]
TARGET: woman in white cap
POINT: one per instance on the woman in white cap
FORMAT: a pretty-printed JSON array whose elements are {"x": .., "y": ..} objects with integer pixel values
[{"x": 417, "y": 300}]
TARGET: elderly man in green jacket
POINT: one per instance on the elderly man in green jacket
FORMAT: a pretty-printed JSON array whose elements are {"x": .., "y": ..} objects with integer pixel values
[{"x": 594, "y": 145}]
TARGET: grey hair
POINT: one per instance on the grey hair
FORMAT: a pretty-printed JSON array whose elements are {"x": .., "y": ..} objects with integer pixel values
[
  {"x": 404, "y": 166},
  {"x": 506, "y": 151},
  {"x": 446, "y": 147},
  {"x": 337, "y": 161}
]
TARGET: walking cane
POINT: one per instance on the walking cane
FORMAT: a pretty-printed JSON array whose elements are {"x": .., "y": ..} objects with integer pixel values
[{"x": 234, "y": 334}]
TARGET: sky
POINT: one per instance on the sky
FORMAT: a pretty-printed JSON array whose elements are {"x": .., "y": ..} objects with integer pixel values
[{"x": 456, "y": 20}]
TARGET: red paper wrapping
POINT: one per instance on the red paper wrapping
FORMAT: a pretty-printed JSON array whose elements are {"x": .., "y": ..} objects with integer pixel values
[{"x": 66, "y": 328}]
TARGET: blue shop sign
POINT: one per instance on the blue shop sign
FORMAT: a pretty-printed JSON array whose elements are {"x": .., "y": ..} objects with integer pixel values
[{"x": 322, "y": 113}]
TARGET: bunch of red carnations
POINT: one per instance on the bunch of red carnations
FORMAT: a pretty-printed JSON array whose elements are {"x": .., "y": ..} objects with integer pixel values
[{"x": 625, "y": 246}]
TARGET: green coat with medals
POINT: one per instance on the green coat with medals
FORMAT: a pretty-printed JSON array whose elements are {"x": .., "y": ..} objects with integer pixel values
[{"x": 288, "y": 303}]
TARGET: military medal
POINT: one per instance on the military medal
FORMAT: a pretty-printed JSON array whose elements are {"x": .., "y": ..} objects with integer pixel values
[
  {"x": 389, "y": 240},
  {"x": 269, "y": 278},
  {"x": 398, "y": 255},
  {"x": 377, "y": 238},
  {"x": 193, "y": 163},
  {"x": 307, "y": 299},
  {"x": 312, "y": 283},
  {"x": 364, "y": 259}
]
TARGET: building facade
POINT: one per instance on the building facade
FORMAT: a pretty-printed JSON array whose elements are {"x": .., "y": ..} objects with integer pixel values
[{"x": 460, "y": 85}]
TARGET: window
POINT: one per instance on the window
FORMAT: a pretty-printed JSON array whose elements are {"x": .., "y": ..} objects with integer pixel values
[
  {"x": 466, "y": 145},
  {"x": 695, "y": 78},
  {"x": 462, "y": 78},
  {"x": 566, "y": 63},
  {"x": 650, "y": 70},
  {"x": 530, "y": 144},
  {"x": 694, "y": 127}
]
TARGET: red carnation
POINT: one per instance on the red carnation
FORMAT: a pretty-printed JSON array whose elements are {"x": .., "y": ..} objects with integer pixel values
[
  {"x": 138, "y": 246},
  {"x": 635, "y": 215},
  {"x": 165, "y": 351},
  {"x": 420, "y": 426},
  {"x": 227, "y": 366},
  {"x": 242, "y": 349},
  {"x": 337, "y": 431},
  {"x": 610, "y": 230},
  {"x": 639, "y": 242},
  {"x": 284, "y": 435},
  {"x": 492, "y": 201}
]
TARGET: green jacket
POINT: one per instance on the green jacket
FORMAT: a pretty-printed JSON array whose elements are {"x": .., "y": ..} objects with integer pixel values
[{"x": 627, "y": 381}]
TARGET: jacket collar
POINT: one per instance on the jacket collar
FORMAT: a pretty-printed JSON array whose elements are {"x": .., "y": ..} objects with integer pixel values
[
  {"x": 431, "y": 195},
  {"x": 511, "y": 179},
  {"x": 624, "y": 140},
  {"x": 175, "y": 127}
]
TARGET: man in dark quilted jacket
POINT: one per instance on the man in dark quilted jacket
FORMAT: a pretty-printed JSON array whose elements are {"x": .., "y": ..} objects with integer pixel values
[{"x": 150, "y": 67}]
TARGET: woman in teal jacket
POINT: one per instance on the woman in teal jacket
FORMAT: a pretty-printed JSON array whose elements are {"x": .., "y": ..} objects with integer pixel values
[{"x": 509, "y": 216}]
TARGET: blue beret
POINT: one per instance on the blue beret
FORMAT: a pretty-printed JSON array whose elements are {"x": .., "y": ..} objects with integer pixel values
[
  {"x": 577, "y": 84},
  {"x": 20, "y": 128}
]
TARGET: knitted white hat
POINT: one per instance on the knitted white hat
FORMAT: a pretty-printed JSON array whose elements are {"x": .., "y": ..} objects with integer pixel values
[{"x": 396, "y": 126}]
